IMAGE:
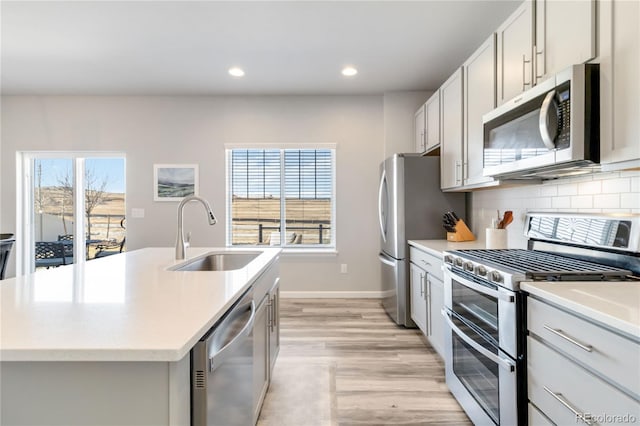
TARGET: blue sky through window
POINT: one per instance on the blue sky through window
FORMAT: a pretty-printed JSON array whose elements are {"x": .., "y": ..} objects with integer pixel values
[{"x": 55, "y": 169}]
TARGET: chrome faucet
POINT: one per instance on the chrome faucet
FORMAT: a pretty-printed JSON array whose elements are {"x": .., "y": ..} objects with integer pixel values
[{"x": 181, "y": 244}]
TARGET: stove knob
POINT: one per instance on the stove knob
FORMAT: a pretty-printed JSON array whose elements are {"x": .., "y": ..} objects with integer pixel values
[
  {"x": 495, "y": 276},
  {"x": 458, "y": 262},
  {"x": 481, "y": 270},
  {"x": 468, "y": 266},
  {"x": 448, "y": 259}
]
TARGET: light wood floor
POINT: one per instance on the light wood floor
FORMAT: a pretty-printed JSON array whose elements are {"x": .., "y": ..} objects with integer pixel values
[{"x": 344, "y": 362}]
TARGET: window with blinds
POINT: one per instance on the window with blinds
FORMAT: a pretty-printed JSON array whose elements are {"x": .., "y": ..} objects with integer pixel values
[{"x": 281, "y": 197}]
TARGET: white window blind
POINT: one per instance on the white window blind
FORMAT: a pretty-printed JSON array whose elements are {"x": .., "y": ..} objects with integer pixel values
[{"x": 281, "y": 197}]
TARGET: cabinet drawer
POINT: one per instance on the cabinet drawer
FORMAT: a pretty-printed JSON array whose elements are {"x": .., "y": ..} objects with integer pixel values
[
  {"x": 611, "y": 355},
  {"x": 430, "y": 263},
  {"x": 557, "y": 386}
]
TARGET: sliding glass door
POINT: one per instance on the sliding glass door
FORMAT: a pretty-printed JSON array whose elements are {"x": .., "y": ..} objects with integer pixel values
[{"x": 72, "y": 208}]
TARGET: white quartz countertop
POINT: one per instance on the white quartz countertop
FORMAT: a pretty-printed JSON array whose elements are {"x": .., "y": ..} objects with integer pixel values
[
  {"x": 126, "y": 307},
  {"x": 614, "y": 304},
  {"x": 436, "y": 247}
]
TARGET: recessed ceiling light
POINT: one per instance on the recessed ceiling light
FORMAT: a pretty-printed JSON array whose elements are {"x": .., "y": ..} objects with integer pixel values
[
  {"x": 236, "y": 72},
  {"x": 349, "y": 71}
]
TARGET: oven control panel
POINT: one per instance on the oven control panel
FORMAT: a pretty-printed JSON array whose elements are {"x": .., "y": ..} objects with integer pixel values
[{"x": 483, "y": 272}]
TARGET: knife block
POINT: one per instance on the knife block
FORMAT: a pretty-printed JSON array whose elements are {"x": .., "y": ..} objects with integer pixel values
[{"x": 462, "y": 233}]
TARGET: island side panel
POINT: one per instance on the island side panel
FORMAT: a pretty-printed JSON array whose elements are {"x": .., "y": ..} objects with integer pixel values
[{"x": 87, "y": 393}]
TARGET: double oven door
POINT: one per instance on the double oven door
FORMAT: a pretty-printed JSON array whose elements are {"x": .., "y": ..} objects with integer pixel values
[{"x": 481, "y": 348}]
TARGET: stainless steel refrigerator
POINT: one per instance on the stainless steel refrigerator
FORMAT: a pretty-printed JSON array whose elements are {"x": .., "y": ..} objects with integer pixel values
[{"x": 410, "y": 207}]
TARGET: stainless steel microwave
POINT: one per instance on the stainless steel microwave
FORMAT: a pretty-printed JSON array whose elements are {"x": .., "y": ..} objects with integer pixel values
[{"x": 551, "y": 130}]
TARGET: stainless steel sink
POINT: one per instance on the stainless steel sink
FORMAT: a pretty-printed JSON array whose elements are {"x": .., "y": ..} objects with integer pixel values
[{"x": 218, "y": 262}]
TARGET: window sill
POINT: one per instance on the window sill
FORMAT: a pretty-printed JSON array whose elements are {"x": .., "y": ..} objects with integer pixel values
[{"x": 309, "y": 252}]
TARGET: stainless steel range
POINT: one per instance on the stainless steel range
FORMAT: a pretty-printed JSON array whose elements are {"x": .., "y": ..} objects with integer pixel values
[{"x": 484, "y": 309}]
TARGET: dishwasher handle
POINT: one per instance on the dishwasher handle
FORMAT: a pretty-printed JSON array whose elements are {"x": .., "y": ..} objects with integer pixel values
[{"x": 219, "y": 357}]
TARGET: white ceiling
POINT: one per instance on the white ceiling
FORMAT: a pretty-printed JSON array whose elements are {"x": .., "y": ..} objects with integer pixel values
[{"x": 186, "y": 47}]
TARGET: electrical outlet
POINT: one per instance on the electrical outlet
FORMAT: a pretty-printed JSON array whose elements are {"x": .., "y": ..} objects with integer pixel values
[{"x": 343, "y": 268}]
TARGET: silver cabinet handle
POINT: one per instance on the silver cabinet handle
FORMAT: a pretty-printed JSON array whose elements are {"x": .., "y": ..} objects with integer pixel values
[
  {"x": 218, "y": 358},
  {"x": 502, "y": 362},
  {"x": 548, "y": 127},
  {"x": 425, "y": 262},
  {"x": 458, "y": 166},
  {"x": 569, "y": 339},
  {"x": 422, "y": 285},
  {"x": 538, "y": 53},
  {"x": 561, "y": 400},
  {"x": 524, "y": 66}
]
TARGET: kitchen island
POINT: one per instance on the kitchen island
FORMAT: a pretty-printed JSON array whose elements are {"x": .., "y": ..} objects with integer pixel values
[{"x": 108, "y": 341}]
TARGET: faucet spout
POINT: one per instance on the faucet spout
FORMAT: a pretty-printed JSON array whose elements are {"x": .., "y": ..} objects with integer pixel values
[{"x": 181, "y": 244}]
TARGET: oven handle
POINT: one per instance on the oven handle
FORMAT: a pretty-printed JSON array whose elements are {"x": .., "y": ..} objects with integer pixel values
[
  {"x": 482, "y": 289},
  {"x": 507, "y": 364}
]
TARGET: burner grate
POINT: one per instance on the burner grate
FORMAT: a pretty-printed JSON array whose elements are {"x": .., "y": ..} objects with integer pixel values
[{"x": 538, "y": 264}]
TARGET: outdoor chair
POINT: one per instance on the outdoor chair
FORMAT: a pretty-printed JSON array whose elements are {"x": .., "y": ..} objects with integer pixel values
[
  {"x": 109, "y": 248},
  {"x": 67, "y": 241},
  {"x": 6, "y": 244},
  {"x": 51, "y": 253}
]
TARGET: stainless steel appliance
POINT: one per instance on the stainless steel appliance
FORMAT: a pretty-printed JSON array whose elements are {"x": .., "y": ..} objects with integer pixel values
[
  {"x": 410, "y": 206},
  {"x": 551, "y": 130},
  {"x": 222, "y": 369},
  {"x": 484, "y": 342}
]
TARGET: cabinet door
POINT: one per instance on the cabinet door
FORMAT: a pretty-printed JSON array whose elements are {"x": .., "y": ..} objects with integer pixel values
[
  {"x": 565, "y": 35},
  {"x": 432, "y": 119},
  {"x": 420, "y": 130},
  {"x": 260, "y": 356},
  {"x": 274, "y": 324},
  {"x": 451, "y": 131},
  {"x": 620, "y": 85},
  {"x": 435, "y": 303},
  {"x": 418, "y": 303},
  {"x": 515, "y": 43},
  {"x": 479, "y": 98}
]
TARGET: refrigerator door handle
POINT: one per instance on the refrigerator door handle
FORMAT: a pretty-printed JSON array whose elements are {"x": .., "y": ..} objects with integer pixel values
[
  {"x": 381, "y": 219},
  {"x": 386, "y": 261}
]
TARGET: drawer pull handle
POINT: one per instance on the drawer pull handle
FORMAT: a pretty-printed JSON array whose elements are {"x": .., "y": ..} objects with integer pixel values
[
  {"x": 425, "y": 262},
  {"x": 561, "y": 400},
  {"x": 569, "y": 339}
]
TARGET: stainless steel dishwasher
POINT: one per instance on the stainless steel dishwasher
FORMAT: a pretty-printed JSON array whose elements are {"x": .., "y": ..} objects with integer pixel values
[{"x": 222, "y": 369}]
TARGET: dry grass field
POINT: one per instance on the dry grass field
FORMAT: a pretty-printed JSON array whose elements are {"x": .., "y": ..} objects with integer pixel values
[{"x": 249, "y": 213}]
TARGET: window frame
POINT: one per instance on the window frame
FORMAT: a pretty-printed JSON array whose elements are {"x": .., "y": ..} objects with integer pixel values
[
  {"x": 25, "y": 211},
  {"x": 329, "y": 248}
]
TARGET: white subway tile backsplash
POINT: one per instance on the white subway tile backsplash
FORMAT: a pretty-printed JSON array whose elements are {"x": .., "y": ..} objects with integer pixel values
[
  {"x": 612, "y": 192},
  {"x": 611, "y": 186},
  {"x": 568, "y": 189},
  {"x": 548, "y": 190},
  {"x": 582, "y": 202},
  {"x": 629, "y": 200},
  {"x": 606, "y": 201},
  {"x": 561, "y": 202},
  {"x": 591, "y": 187}
]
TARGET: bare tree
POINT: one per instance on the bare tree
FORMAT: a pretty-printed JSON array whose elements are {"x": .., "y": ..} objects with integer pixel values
[{"x": 94, "y": 193}]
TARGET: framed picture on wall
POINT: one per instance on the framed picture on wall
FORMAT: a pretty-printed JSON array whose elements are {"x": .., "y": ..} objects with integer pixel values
[{"x": 173, "y": 182}]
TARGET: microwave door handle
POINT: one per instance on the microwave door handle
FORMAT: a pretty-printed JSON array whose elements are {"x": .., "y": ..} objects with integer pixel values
[
  {"x": 504, "y": 363},
  {"x": 548, "y": 125}
]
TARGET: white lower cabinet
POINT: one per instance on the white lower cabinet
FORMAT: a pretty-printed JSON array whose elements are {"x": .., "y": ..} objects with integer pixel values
[
  {"x": 427, "y": 296},
  {"x": 418, "y": 302},
  {"x": 266, "y": 334},
  {"x": 577, "y": 371}
]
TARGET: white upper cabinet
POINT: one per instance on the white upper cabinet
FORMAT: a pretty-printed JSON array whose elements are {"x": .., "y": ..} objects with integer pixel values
[
  {"x": 420, "y": 131},
  {"x": 451, "y": 131},
  {"x": 619, "y": 48},
  {"x": 565, "y": 35},
  {"x": 432, "y": 112},
  {"x": 479, "y": 98},
  {"x": 515, "y": 41}
]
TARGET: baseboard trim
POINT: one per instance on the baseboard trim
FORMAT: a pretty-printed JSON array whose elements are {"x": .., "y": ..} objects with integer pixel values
[{"x": 335, "y": 294}]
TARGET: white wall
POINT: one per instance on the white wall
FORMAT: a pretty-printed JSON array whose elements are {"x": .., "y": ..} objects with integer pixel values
[
  {"x": 617, "y": 192},
  {"x": 194, "y": 130}
]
